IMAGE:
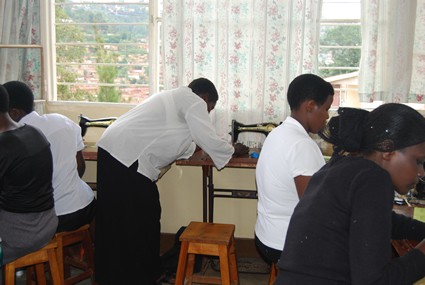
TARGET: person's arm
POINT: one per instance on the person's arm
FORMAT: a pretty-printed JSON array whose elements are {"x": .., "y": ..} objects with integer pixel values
[
  {"x": 407, "y": 228},
  {"x": 81, "y": 163},
  {"x": 304, "y": 161},
  {"x": 301, "y": 183},
  {"x": 204, "y": 135},
  {"x": 370, "y": 229}
]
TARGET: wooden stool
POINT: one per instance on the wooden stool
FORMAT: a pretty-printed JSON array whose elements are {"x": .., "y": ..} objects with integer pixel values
[
  {"x": 208, "y": 239},
  {"x": 273, "y": 273},
  {"x": 65, "y": 239},
  {"x": 37, "y": 258}
]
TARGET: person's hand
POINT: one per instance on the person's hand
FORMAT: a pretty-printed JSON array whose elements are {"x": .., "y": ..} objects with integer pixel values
[{"x": 240, "y": 149}]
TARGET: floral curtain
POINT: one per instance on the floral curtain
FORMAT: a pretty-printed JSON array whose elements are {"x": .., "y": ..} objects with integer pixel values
[
  {"x": 250, "y": 49},
  {"x": 392, "y": 67},
  {"x": 20, "y": 25}
]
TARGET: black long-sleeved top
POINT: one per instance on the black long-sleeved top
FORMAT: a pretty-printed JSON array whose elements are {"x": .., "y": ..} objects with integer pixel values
[
  {"x": 25, "y": 171},
  {"x": 341, "y": 230}
]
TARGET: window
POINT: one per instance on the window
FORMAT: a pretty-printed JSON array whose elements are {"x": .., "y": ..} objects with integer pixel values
[
  {"x": 106, "y": 51},
  {"x": 340, "y": 48}
]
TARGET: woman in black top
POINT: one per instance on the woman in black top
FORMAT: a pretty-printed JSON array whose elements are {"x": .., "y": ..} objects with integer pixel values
[
  {"x": 27, "y": 217},
  {"x": 341, "y": 230}
]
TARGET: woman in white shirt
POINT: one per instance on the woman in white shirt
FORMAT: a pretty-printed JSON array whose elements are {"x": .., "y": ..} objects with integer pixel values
[{"x": 132, "y": 151}]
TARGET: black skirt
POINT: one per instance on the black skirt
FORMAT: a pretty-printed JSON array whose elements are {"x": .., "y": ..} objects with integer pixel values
[{"x": 128, "y": 215}]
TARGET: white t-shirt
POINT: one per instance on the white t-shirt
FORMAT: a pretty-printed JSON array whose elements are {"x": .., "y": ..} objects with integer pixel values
[
  {"x": 71, "y": 193},
  {"x": 288, "y": 152},
  {"x": 165, "y": 127}
]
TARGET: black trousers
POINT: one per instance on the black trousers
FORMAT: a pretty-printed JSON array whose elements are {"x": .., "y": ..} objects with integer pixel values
[
  {"x": 270, "y": 255},
  {"x": 128, "y": 215},
  {"x": 73, "y": 221}
]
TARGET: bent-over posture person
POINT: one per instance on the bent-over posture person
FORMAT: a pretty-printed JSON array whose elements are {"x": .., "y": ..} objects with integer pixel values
[
  {"x": 341, "y": 230},
  {"x": 131, "y": 152},
  {"x": 27, "y": 217},
  {"x": 288, "y": 159},
  {"x": 74, "y": 199}
]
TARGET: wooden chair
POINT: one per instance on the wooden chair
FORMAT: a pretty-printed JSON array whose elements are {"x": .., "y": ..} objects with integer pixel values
[
  {"x": 85, "y": 262},
  {"x": 273, "y": 273},
  {"x": 37, "y": 259},
  {"x": 208, "y": 239}
]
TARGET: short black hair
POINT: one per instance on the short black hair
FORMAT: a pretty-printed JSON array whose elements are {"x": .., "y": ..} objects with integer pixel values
[
  {"x": 203, "y": 86},
  {"x": 20, "y": 96},
  {"x": 4, "y": 100},
  {"x": 308, "y": 87}
]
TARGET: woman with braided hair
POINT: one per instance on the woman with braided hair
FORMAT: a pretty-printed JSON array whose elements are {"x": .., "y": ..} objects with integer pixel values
[{"x": 341, "y": 230}]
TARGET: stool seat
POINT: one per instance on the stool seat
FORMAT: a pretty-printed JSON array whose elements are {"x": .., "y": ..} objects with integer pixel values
[
  {"x": 81, "y": 237},
  {"x": 37, "y": 258},
  {"x": 208, "y": 239}
]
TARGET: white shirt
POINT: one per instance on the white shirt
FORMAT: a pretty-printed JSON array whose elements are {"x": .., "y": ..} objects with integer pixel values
[
  {"x": 288, "y": 152},
  {"x": 165, "y": 127},
  {"x": 71, "y": 193}
]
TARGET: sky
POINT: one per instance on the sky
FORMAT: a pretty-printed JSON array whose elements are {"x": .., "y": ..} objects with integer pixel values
[{"x": 341, "y": 9}]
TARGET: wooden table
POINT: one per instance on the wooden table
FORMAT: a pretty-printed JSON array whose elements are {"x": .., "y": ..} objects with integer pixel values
[
  {"x": 90, "y": 153},
  {"x": 209, "y": 192},
  {"x": 403, "y": 246}
]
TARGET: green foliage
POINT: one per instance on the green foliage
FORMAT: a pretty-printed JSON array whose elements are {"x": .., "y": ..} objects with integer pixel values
[
  {"x": 106, "y": 73},
  {"x": 337, "y": 36}
]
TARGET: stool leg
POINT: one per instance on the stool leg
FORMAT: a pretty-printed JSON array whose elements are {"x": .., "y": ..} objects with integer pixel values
[
  {"x": 234, "y": 275},
  {"x": 181, "y": 268},
  {"x": 89, "y": 252},
  {"x": 39, "y": 273},
  {"x": 9, "y": 274},
  {"x": 54, "y": 267},
  {"x": 29, "y": 275},
  {"x": 224, "y": 264},
  {"x": 189, "y": 268}
]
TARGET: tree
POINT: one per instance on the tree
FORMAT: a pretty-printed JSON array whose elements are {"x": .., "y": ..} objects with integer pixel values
[
  {"x": 75, "y": 54},
  {"x": 106, "y": 73},
  {"x": 338, "y": 36}
]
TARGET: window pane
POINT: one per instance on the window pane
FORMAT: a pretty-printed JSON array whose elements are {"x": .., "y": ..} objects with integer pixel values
[
  {"x": 102, "y": 50},
  {"x": 339, "y": 49},
  {"x": 340, "y": 37}
]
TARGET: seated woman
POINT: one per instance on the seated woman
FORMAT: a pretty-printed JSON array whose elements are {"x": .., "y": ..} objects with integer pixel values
[
  {"x": 27, "y": 216},
  {"x": 288, "y": 159},
  {"x": 341, "y": 230}
]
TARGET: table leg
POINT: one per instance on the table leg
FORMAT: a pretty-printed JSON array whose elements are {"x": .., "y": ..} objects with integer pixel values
[
  {"x": 210, "y": 195},
  {"x": 205, "y": 172}
]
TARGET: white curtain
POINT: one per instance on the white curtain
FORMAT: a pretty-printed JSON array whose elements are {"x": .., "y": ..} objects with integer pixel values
[
  {"x": 20, "y": 25},
  {"x": 392, "y": 67},
  {"x": 250, "y": 49}
]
